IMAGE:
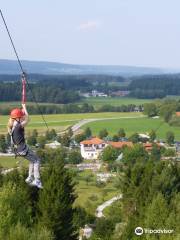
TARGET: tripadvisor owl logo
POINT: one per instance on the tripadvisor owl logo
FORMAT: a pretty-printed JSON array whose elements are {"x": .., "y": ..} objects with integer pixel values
[{"x": 139, "y": 231}]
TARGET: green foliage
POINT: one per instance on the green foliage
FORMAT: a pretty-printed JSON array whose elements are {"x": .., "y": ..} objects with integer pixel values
[
  {"x": 167, "y": 110},
  {"x": 103, "y": 133},
  {"x": 20, "y": 232},
  {"x": 131, "y": 155},
  {"x": 31, "y": 140},
  {"x": 152, "y": 135},
  {"x": 170, "y": 137},
  {"x": 56, "y": 200},
  {"x": 30, "y": 213},
  {"x": 41, "y": 140},
  {"x": 88, "y": 132},
  {"x": 150, "y": 109},
  {"x": 155, "y": 152},
  {"x": 157, "y": 213},
  {"x": 74, "y": 157},
  {"x": 104, "y": 229},
  {"x": 134, "y": 138},
  {"x": 65, "y": 140},
  {"x": 51, "y": 134},
  {"x": 81, "y": 217},
  {"x": 115, "y": 138},
  {"x": 3, "y": 144},
  {"x": 169, "y": 153},
  {"x": 109, "y": 154},
  {"x": 80, "y": 137},
  {"x": 175, "y": 121},
  {"x": 121, "y": 133}
]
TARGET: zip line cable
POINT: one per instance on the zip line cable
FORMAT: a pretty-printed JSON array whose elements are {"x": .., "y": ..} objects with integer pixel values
[{"x": 21, "y": 67}]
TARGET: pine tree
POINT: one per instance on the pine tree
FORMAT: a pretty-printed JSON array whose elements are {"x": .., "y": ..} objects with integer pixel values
[
  {"x": 55, "y": 202},
  {"x": 88, "y": 132}
]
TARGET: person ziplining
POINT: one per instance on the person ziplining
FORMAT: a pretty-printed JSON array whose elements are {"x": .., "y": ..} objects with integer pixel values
[{"x": 19, "y": 118}]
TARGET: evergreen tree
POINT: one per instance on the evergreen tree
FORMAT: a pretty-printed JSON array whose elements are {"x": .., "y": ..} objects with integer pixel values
[
  {"x": 56, "y": 202},
  {"x": 152, "y": 135},
  {"x": 170, "y": 137},
  {"x": 88, "y": 132},
  {"x": 75, "y": 157},
  {"x": 103, "y": 133},
  {"x": 109, "y": 154},
  {"x": 115, "y": 138},
  {"x": 3, "y": 144},
  {"x": 65, "y": 140},
  {"x": 121, "y": 133}
]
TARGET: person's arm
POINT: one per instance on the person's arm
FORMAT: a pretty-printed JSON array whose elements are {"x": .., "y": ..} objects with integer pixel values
[{"x": 26, "y": 116}]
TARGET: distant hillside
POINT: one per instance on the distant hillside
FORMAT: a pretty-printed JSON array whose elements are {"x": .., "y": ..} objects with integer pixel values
[{"x": 11, "y": 67}]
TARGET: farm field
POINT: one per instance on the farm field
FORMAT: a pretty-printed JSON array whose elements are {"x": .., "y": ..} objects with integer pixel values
[
  {"x": 61, "y": 121},
  {"x": 139, "y": 125},
  {"x": 114, "y": 101}
]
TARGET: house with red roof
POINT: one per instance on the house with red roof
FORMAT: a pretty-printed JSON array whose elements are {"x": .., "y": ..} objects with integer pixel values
[
  {"x": 177, "y": 114},
  {"x": 91, "y": 149}
]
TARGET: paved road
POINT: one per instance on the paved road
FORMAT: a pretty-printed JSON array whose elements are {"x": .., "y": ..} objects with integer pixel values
[{"x": 78, "y": 125}]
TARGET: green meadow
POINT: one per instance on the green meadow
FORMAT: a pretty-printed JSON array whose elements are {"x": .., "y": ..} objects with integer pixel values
[
  {"x": 114, "y": 101},
  {"x": 12, "y": 162},
  {"x": 139, "y": 125},
  {"x": 62, "y": 121}
]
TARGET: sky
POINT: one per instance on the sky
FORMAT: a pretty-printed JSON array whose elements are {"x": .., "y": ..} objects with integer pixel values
[{"x": 98, "y": 32}]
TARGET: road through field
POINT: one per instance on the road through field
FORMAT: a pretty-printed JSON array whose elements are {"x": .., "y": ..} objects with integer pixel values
[{"x": 78, "y": 125}]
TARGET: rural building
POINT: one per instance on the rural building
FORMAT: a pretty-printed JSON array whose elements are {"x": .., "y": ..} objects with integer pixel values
[
  {"x": 120, "y": 144},
  {"x": 91, "y": 149},
  {"x": 148, "y": 146},
  {"x": 53, "y": 145},
  {"x": 120, "y": 93},
  {"x": 178, "y": 114}
]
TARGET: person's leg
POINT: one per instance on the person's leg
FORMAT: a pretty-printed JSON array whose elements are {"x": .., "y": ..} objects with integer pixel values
[
  {"x": 30, "y": 177},
  {"x": 36, "y": 170},
  {"x": 33, "y": 158}
]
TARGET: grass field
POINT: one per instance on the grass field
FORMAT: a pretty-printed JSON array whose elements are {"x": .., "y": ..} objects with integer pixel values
[
  {"x": 139, "y": 125},
  {"x": 86, "y": 192},
  {"x": 62, "y": 121},
  {"x": 11, "y": 162},
  {"x": 114, "y": 101}
]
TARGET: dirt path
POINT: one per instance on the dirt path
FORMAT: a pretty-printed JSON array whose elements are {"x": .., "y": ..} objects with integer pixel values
[{"x": 100, "y": 208}]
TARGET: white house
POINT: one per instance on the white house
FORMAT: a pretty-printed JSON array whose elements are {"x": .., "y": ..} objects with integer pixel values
[{"x": 90, "y": 149}]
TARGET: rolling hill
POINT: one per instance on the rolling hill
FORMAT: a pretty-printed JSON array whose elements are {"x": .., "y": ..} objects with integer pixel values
[{"x": 43, "y": 67}]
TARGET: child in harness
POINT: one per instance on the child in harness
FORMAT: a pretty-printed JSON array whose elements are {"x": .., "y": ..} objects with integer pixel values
[{"x": 18, "y": 120}]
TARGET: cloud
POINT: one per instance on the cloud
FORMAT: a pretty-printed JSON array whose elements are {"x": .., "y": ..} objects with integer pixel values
[{"x": 89, "y": 25}]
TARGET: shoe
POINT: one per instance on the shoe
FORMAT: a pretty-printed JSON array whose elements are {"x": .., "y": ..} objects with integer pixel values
[
  {"x": 36, "y": 183},
  {"x": 29, "y": 180}
]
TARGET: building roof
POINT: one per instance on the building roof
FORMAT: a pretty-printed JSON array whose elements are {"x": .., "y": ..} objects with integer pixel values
[
  {"x": 149, "y": 146},
  {"x": 120, "y": 144},
  {"x": 94, "y": 140},
  {"x": 178, "y": 114}
]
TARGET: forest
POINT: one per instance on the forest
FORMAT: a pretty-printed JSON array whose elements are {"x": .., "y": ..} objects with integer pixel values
[
  {"x": 66, "y": 88},
  {"x": 155, "y": 86},
  {"x": 56, "y": 88}
]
